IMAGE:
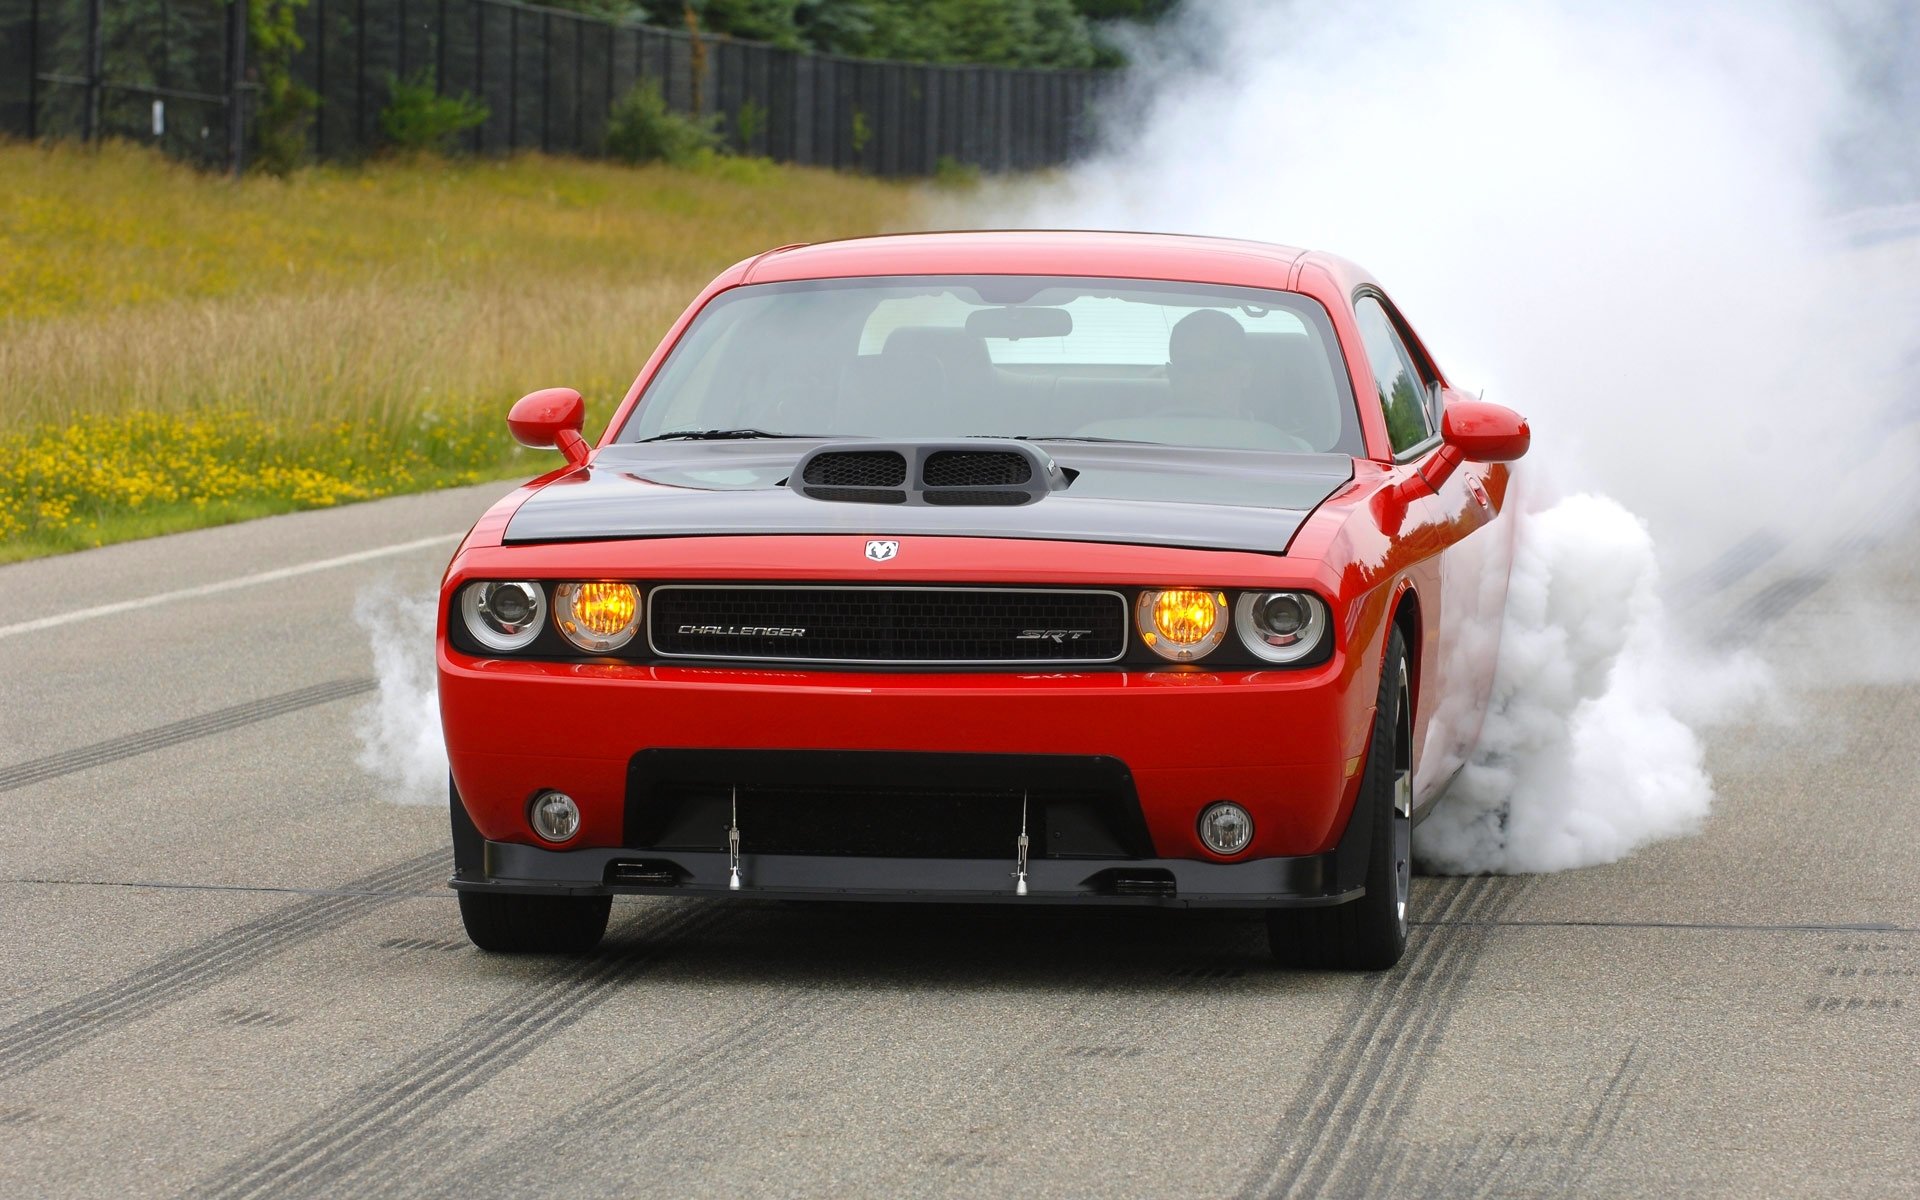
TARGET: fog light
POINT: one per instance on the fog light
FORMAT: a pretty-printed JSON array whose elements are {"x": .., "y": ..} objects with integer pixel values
[
  {"x": 1226, "y": 828},
  {"x": 554, "y": 816},
  {"x": 1181, "y": 624},
  {"x": 597, "y": 617}
]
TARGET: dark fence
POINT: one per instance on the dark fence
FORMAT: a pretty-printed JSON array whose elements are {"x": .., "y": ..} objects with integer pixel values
[
  {"x": 161, "y": 71},
  {"x": 174, "y": 71}
]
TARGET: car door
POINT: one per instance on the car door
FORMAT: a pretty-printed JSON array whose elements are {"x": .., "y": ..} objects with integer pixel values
[{"x": 1461, "y": 584}]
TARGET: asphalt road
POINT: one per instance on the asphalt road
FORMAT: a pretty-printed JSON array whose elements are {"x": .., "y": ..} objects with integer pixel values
[{"x": 231, "y": 968}]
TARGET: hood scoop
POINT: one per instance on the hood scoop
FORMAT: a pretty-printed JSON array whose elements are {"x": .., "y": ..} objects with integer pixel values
[{"x": 977, "y": 471}]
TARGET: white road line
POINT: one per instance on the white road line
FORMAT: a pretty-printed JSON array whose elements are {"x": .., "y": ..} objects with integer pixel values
[{"x": 224, "y": 585}]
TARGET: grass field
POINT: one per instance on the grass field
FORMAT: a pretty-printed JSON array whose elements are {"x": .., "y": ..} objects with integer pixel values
[{"x": 179, "y": 349}]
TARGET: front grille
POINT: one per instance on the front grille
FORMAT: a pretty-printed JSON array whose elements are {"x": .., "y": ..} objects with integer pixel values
[
  {"x": 964, "y": 468},
  {"x": 858, "y": 469},
  {"x": 906, "y": 625}
]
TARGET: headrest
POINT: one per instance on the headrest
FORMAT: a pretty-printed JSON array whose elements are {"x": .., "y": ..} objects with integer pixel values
[
  {"x": 955, "y": 349},
  {"x": 1291, "y": 367}
]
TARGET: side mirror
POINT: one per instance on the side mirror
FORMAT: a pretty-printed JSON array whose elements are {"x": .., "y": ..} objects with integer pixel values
[
  {"x": 551, "y": 419},
  {"x": 1474, "y": 431},
  {"x": 1485, "y": 432}
]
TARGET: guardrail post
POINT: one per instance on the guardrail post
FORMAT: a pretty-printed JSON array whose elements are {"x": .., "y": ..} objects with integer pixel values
[
  {"x": 236, "y": 85},
  {"x": 33, "y": 68},
  {"x": 90, "y": 127}
]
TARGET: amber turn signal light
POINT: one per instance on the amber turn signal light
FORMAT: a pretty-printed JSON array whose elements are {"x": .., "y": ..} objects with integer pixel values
[
  {"x": 1181, "y": 624},
  {"x": 597, "y": 617}
]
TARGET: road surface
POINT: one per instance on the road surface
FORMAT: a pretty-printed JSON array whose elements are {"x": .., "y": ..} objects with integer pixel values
[{"x": 233, "y": 968}]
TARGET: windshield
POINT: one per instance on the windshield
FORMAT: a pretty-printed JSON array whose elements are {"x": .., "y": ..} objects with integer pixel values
[{"x": 1008, "y": 356}]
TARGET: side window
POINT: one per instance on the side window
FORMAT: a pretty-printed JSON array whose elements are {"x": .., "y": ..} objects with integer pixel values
[{"x": 1403, "y": 394}]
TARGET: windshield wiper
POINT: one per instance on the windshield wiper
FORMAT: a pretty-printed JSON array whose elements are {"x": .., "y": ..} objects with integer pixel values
[
  {"x": 1068, "y": 437},
  {"x": 722, "y": 435}
]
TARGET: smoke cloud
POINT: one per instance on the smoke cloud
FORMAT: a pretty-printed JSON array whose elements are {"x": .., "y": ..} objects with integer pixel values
[
  {"x": 400, "y": 740},
  {"x": 1619, "y": 220}
]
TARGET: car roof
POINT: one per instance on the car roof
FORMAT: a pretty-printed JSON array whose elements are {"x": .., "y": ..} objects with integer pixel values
[{"x": 1072, "y": 252}]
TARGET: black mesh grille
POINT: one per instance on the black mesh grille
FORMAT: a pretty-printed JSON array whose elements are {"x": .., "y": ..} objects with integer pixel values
[
  {"x": 964, "y": 468},
  {"x": 895, "y": 823},
  {"x": 856, "y": 495},
  {"x": 901, "y": 805},
  {"x": 971, "y": 496},
  {"x": 857, "y": 469},
  {"x": 888, "y": 625}
]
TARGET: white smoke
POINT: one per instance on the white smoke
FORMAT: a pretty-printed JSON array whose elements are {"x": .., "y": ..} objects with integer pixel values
[
  {"x": 400, "y": 739},
  {"x": 1617, "y": 218},
  {"x": 1584, "y": 756}
]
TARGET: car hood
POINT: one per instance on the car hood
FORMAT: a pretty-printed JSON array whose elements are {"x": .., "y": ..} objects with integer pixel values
[{"x": 1153, "y": 495}]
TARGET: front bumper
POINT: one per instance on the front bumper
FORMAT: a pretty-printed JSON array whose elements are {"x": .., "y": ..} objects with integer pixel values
[
  {"x": 1285, "y": 745},
  {"x": 1299, "y": 881}
]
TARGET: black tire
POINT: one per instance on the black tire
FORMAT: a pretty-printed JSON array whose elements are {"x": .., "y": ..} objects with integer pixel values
[
  {"x": 1368, "y": 934},
  {"x": 508, "y": 924}
]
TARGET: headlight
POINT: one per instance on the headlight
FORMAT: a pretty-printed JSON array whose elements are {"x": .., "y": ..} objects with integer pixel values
[
  {"x": 503, "y": 616},
  {"x": 597, "y": 617},
  {"x": 1281, "y": 627},
  {"x": 1181, "y": 624}
]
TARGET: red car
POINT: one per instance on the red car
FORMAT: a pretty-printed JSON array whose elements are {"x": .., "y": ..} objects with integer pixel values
[{"x": 1028, "y": 567}]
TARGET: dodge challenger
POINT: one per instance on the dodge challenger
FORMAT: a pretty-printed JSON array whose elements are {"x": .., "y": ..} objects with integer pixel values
[{"x": 1011, "y": 567}]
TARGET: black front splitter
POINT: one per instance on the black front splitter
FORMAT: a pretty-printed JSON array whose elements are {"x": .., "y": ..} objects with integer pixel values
[{"x": 1261, "y": 883}]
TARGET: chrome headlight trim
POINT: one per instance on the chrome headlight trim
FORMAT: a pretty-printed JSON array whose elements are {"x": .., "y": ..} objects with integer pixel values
[
  {"x": 525, "y": 611},
  {"x": 1263, "y": 645}
]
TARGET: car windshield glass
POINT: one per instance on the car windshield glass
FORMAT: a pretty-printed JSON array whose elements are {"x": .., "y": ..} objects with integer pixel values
[{"x": 1009, "y": 356}]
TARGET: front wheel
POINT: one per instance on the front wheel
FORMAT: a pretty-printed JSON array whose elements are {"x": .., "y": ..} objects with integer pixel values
[
  {"x": 508, "y": 924},
  {"x": 1368, "y": 934}
]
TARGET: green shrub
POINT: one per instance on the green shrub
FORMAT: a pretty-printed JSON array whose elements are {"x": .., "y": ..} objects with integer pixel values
[
  {"x": 950, "y": 172},
  {"x": 641, "y": 128},
  {"x": 417, "y": 118},
  {"x": 749, "y": 123},
  {"x": 283, "y": 110}
]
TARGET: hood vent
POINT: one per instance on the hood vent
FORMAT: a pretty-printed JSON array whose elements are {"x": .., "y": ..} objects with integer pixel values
[
  {"x": 975, "y": 472},
  {"x": 862, "y": 476},
  {"x": 975, "y": 468}
]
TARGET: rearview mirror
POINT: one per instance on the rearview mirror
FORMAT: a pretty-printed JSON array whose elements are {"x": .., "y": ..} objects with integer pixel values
[
  {"x": 1016, "y": 323},
  {"x": 551, "y": 419}
]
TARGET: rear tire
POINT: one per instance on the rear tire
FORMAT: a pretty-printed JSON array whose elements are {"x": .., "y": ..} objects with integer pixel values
[
  {"x": 504, "y": 923},
  {"x": 1368, "y": 934}
]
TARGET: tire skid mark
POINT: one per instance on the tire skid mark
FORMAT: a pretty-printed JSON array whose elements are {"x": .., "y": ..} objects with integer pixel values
[
  {"x": 1389, "y": 1091},
  {"x": 627, "y": 1115},
  {"x": 1056, "y": 1050},
  {"x": 1331, "y": 1070},
  {"x": 380, "y": 1120},
  {"x": 45, "y": 1036},
  {"x": 1768, "y": 605},
  {"x": 1598, "y": 1129},
  {"x": 1384, "y": 1063},
  {"x": 1363, "y": 1079},
  {"x": 1519, "y": 1162},
  {"x": 99, "y": 754},
  {"x": 1734, "y": 564}
]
